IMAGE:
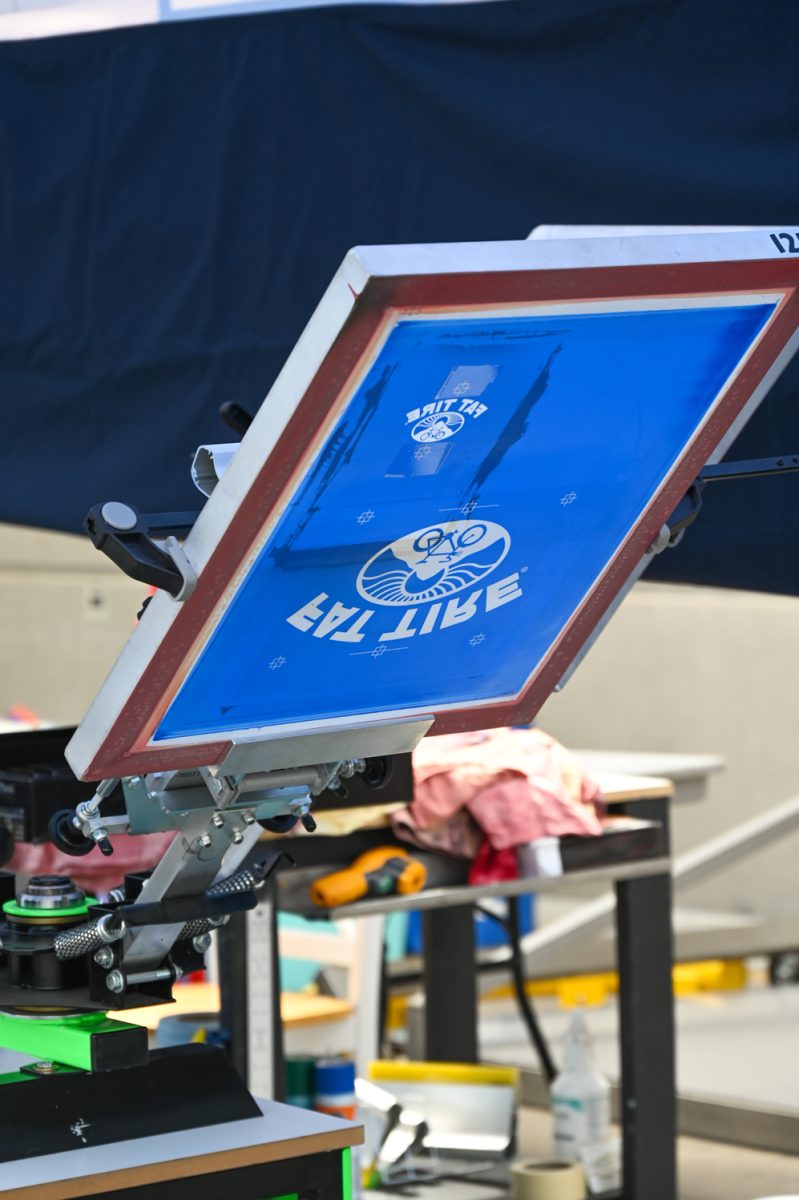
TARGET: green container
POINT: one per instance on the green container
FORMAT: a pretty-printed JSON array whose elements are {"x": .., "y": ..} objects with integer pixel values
[{"x": 299, "y": 1081}]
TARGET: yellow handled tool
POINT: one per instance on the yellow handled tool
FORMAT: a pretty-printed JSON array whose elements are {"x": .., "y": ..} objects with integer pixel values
[{"x": 384, "y": 871}]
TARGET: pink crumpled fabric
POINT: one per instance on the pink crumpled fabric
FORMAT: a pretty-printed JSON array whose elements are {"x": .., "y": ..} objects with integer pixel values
[
  {"x": 516, "y": 785},
  {"x": 94, "y": 873}
]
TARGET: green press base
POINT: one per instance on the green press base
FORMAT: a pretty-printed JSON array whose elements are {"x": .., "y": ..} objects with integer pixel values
[{"x": 87, "y": 1041}]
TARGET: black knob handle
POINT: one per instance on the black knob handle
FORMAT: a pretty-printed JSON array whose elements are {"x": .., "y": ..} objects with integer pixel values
[{"x": 66, "y": 837}]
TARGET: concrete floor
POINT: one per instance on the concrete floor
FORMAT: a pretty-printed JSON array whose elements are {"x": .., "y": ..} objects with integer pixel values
[
  {"x": 708, "y": 1170},
  {"x": 740, "y": 1046},
  {"x": 735, "y": 1046}
]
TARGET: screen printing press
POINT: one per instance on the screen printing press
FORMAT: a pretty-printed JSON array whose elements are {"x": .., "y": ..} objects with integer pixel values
[{"x": 469, "y": 457}]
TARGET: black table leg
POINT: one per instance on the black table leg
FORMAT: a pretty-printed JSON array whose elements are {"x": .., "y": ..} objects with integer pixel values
[
  {"x": 646, "y": 1009},
  {"x": 233, "y": 988},
  {"x": 450, "y": 981}
]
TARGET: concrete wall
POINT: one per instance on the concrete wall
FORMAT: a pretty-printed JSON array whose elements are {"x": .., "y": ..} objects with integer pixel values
[
  {"x": 700, "y": 670},
  {"x": 679, "y": 669},
  {"x": 65, "y": 613}
]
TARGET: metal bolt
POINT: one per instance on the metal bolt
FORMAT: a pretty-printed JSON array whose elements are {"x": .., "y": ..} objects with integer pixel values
[
  {"x": 248, "y": 817},
  {"x": 111, "y": 927},
  {"x": 43, "y": 1068},
  {"x": 237, "y": 837},
  {"x": 104, "y": 957},
  {"x": 218, "y": 820},
  {"x": 206, "y": 840},
  {"x": 352, "y": 766},
  {"x": 201, "y": 943},
  {"x": 115, "y": 982}
]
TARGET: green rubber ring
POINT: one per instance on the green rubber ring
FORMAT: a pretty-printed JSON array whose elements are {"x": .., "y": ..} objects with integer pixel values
[{"x": 12, "y": 909}]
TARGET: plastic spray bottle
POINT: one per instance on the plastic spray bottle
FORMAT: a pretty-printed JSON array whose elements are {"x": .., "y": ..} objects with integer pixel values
[{"x": 580, "y": 1097}]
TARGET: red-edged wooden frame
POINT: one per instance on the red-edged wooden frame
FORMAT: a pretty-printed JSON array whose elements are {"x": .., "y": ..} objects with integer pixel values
[{"x": 115, "y": 738}]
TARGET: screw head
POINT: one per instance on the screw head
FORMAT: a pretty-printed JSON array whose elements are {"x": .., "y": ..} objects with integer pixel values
[
  {"x": 43, "y": 1068},
  {"x": 206, "y": 840},
  {"x": 202, "y": 942},
  {"x": 248, "y": 817},
  {"x": 218, "y": 820},
  {"x": 238, "y": 837},
  {"x": 104, "y": 957},
  {"x": 115, "y": 982}
]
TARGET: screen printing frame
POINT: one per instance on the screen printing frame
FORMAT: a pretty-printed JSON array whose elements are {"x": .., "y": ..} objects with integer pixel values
[{"x": 373, "y": 289}]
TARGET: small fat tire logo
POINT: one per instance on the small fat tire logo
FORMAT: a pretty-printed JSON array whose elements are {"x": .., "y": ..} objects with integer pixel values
[
  {"x": 437, "y": 427},
  {"x": 433, "y": 563}
]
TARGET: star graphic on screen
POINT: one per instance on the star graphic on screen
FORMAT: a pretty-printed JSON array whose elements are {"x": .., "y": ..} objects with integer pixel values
[
  {"x": 365, "y": 517},
  {"x": 469, "y": 508},
  {"x": 477, "y": 639},
  {"x": 421, "y": 453},
  {"x": 276, "y": 662},
  {"x": 378, "y": 651},
  {"x": 569, "y": 498}
]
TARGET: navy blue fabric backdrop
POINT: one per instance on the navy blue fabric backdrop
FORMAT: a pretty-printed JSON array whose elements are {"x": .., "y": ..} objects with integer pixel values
[{"x": 174, "y": 199}]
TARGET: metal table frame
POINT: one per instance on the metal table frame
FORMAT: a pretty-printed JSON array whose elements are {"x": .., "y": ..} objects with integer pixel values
[{"x": 644, "y": 946}]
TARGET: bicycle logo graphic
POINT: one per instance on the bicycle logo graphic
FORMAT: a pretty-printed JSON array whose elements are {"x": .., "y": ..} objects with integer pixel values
[
  {"x": 433, "y": 563},
  {"x": 447, "y": 544},
  {"x": 437, "y": 427}
]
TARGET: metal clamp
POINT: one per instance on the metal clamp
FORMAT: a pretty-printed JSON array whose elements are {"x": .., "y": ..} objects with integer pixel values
[
  {"x": 146, "y": 547},
  {"x": 690, "y": 506}
]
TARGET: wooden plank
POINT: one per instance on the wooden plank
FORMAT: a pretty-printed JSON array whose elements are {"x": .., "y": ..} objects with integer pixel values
[{"x": 618, "y": 789}]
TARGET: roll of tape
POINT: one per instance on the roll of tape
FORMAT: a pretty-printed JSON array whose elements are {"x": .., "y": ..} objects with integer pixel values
[{"x": 547, "y": 1181}]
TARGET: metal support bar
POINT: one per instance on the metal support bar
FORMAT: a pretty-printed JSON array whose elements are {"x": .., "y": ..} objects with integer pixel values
[
  {"x": 753, "y": 468},
  {"x": 739, "y": 842},
  {"x": 543, "y": 950},
  {"x": 193, "y": 861},
  {"x": 450, "y": 985},
  {"x": 690, "y": 506}
]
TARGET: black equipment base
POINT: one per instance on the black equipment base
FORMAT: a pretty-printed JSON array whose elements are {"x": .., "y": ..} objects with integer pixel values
[{"x": 185, "y": 1087}]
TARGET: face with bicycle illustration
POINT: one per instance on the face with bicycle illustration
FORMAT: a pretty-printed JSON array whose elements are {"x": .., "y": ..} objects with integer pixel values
[
  {"x": 436, "y": 576},
  {"x": 434, "y": 562}
]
